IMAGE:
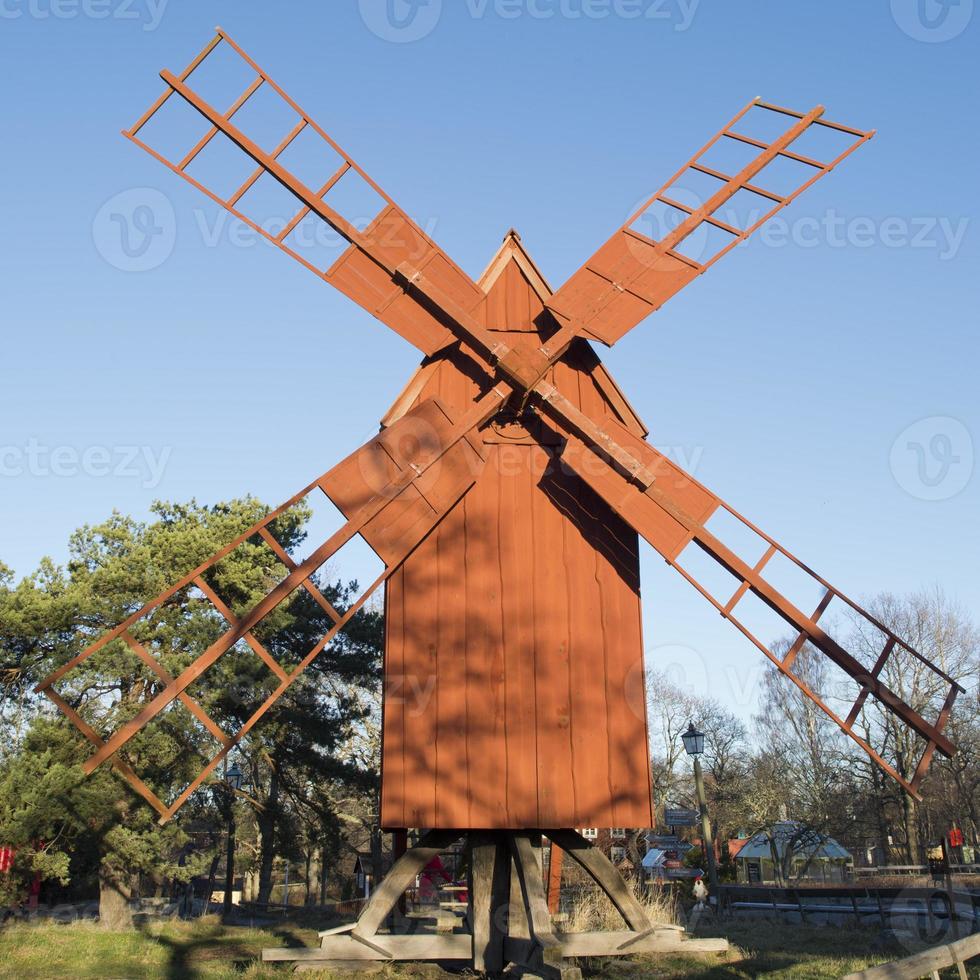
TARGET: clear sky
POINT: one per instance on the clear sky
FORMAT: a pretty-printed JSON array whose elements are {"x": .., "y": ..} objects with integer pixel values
[{"x": 788, "y": 377}]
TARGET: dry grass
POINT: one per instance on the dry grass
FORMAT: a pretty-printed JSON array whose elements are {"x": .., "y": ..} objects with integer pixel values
[
  {"x": 208, "y": 950},
  {"x": 592, "y": 910},
  {"x": 771, "y": 950}
]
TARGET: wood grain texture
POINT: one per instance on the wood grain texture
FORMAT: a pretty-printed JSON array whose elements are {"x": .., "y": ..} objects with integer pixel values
[
  {"x": 514, "y": 646},
  {"x": 489, "y": 896}
]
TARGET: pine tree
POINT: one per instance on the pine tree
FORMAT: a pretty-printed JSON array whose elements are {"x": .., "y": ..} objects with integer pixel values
[{"x": 68, "y": 826}]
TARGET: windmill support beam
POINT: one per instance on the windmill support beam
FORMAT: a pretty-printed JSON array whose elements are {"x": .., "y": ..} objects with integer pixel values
[{"x": 505, "y": 878}]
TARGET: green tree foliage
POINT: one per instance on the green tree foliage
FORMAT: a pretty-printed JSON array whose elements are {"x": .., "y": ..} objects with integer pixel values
[{"x": 68, "y": 826}]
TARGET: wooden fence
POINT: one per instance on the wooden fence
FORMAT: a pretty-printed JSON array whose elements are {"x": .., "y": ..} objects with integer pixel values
[
  {"x": 350, "y": 908},
  {"x": 911, "y": 870},
  {"x": 925, "y": 964},
  {"x": 881, "y": 904}
]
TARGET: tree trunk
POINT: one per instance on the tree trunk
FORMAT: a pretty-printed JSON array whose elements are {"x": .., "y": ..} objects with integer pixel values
[
  {"x": 786, "y": 868},
  {"x": 910, "y": 825},
  {"x": 212, "y": 873},
  {"x": 268, "y": 818},
  {"x": 115, "y": 892},
  {"x": 187, "y": 901},
  {"x": 377, "y": 856},
  {"x": 881, "y": 820},
  {"x": 974, "y": 823},
  {"x": 777, "y": 865},
  {"x": 876, "y": 778},
  {"x": 323, "y": 877}
]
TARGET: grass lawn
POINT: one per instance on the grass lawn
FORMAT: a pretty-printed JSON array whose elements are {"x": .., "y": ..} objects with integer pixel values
[{"x": 207, "y": 950}]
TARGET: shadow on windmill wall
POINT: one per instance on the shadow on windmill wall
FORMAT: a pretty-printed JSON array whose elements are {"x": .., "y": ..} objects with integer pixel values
[{"x": 514, "y": 661}]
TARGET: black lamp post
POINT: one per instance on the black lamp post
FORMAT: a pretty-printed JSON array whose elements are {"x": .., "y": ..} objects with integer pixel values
[
  {"x": 233, "y": 782},
  {"x": 694, "y": 745}
]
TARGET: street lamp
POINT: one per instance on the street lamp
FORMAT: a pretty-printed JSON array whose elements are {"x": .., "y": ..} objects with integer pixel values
[
  {"x": 694, "y": 745},
  {"x": 693, "y": 741},
  {"x": 234, "y": 776},
  {"x": 233, "y": 782}
]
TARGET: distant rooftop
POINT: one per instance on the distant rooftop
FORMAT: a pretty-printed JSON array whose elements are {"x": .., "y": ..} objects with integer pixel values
[{"x": 815, "y": 845}]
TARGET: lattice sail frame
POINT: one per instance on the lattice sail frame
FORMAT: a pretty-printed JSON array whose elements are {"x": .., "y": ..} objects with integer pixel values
[
  {"x": 395, "y": 271},
  {"x": 670, "y": 509},
  {"x": 631, "y": 275},
  {"x": 369, "y": 270},
  {"x": 392, "y": 492}
]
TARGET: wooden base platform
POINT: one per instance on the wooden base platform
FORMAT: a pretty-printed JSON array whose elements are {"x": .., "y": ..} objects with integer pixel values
[{"x": 507, "y": 913}]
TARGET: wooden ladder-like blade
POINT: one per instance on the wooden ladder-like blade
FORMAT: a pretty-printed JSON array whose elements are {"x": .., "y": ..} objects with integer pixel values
[
  {"x": 367, "y": 271},
  {"x": 392, "y": 492},
  {"x": 632, "y": 274},
  {"x": 670, "y": 509}
]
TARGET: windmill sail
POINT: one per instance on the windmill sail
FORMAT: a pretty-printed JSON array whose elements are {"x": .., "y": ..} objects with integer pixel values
[
  {"x": 392, "y": 492},
  {"x": 344, "y": 201},
  {"x": 632, "y": 274},
  {"x": 673, "y": 512}
]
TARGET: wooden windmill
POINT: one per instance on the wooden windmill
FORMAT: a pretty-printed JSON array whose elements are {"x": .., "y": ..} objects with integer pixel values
[{"x": 505, "y": 495}]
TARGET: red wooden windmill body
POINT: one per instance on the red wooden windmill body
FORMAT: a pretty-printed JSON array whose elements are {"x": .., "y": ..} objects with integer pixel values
[
  {"x": 520, "y": 614},
  {"x": 505, "y": 495}
]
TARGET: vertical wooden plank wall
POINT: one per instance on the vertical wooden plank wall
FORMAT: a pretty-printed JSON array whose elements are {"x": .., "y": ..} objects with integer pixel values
[{"x": 514, "y": 643}]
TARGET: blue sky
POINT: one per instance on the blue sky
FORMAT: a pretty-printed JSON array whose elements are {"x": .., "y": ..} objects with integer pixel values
[{"x": 821, "y": 379}]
